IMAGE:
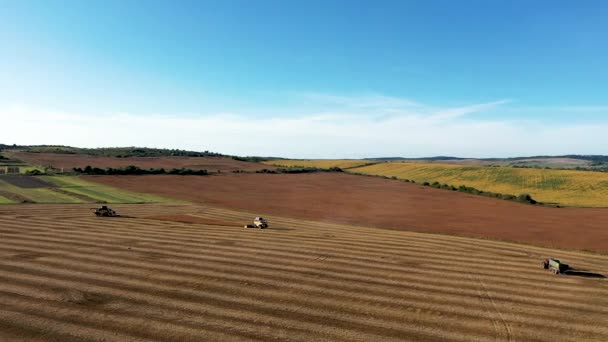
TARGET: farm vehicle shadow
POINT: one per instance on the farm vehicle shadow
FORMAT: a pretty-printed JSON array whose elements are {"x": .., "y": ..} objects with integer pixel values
[
  {"x": 584, "y": 274},
  {"x": 118, "y": 217},
  {"x": 279, "y": 228}
]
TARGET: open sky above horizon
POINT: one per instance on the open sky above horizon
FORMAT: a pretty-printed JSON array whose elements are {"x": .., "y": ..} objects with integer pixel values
[{"x": 308, "y": 79}]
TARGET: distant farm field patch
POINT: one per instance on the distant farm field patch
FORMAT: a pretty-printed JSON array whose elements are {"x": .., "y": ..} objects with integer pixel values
[
  {"x": 320, "y": 163},
  {"x": 565, "y": 187},
  {"x": 65, "y": 189},
  {"x": 69, "y": 161},
  {"x": 101, "y": 193},
  {"x": 27, "y": 182},
  {"x": 4, "y": 200},
  {"x": 21, "y": 191},
  {"x": 5, "y": 168}
]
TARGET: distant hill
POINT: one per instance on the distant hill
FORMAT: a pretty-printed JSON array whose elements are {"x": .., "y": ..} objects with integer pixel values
[
  {"x": 595, "y": 158},
  {"x": 423, "y": 158},
  {"x": 570, "y": 160},
  {"x": 112, "y": 151},
  {"x": 124, "y": 152}
]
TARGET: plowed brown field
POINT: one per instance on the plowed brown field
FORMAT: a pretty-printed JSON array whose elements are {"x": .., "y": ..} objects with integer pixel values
[
  {"x": 67, "y": 275},
  {"x": 368, "y": 201},
  {"x": 69, "y": 161}
]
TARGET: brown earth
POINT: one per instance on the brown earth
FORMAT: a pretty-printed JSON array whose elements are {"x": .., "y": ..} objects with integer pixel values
[
  {"x": 66, "y": 275},
  {"x": 369, "y": 201},
  {"x": 69, "y": 161}
]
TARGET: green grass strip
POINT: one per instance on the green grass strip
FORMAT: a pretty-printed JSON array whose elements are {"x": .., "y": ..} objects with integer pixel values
[
  {"x": 4, "y": 200},
  {"x": 103, "y": 193},
  {"x": 39, "y": 195}
]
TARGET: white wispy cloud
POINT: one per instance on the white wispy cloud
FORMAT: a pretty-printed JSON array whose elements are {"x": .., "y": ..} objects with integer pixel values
[
  {"x": 375, "y": 101},
  {"x": 368, "y": 126},
  {"x": 453, "y": 113}
]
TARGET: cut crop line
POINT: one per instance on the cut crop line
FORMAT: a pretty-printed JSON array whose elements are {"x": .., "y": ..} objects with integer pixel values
[{"x": 447, "y": 289}]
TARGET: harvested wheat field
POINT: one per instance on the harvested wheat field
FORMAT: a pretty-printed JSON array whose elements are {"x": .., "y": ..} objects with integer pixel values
[
  {"x": 67, "y": 275},
  {"x": 371, "y": 201},
  {"x": 69, "y": 161}
]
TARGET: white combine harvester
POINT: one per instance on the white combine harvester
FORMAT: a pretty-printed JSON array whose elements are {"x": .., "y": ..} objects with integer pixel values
[{"x": 258, "y": 222}]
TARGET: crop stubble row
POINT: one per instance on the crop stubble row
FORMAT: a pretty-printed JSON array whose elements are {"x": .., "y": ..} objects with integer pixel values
[{"x": 148, "y": 279}]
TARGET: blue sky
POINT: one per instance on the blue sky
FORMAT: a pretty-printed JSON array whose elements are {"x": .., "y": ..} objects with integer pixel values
[{"x": 319, "y": 78}]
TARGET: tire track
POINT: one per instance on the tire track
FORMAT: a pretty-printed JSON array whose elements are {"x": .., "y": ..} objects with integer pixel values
[{"x": 501, "y": 327}]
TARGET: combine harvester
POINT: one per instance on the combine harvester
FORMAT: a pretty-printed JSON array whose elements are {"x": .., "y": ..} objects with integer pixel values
[
  {"x": 258, "y": 222},
  {"x": 104, "y": 211},
  {"x": 556, "y": 266}
]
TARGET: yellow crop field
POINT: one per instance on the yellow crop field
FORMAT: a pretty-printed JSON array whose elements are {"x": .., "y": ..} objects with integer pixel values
[
  {"x": 320, "y": 163},
  {"x": 565, "y": 187}
]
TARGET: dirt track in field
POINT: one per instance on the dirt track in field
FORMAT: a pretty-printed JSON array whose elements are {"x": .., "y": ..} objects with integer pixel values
[
  {"x": 66, "y": 275},
  {"x": 369, "y": 201},
  {"x": 69, "y": 161}
]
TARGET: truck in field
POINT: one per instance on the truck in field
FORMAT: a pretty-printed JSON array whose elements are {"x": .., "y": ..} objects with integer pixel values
[{"x": 555, "y": 266}]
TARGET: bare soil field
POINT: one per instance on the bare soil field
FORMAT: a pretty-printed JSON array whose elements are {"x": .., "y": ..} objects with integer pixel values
[
  {"x": 66, "y": 275},
  {"x": 369, "y": 201},
  {"x": 69, "y": 161}
]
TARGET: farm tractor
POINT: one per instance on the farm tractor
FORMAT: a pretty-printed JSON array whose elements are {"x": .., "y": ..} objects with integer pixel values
[
  {"x": 556, "y": 266},
  {"x": 104, "y": 211},
  {"x": 258, "y": 222}
]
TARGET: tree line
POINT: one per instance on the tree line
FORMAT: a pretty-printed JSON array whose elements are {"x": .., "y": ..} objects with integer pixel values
[
  {"x": 300, "y": 170},
  {"x": 134, "y": 170}
]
